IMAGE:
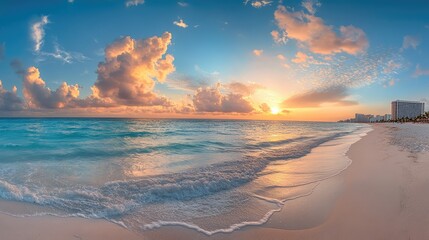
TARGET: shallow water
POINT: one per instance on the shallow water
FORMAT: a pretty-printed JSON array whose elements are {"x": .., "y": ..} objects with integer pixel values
[{"x": 210, "y": 175}]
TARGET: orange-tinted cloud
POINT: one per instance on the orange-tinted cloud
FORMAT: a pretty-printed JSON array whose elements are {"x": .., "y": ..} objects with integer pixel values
[
  {"x": 312, "y": 32},
  {"x": 243, "y": 88},
  {"x": 210, "y": 99},
  {"x": 131, "y": 67},
  {"x": 258, "y": 52},
  {"x": 38, "y": 95},
  {"x": 315, "y": 98}
]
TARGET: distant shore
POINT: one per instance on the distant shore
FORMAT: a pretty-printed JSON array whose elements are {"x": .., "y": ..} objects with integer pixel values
[{"x": 382, "y": 195}]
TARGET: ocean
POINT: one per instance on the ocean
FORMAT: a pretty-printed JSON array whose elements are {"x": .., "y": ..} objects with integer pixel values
[{"x": 209, "y": 175}]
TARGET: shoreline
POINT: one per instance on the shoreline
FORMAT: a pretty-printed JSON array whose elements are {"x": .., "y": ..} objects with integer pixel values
[{"x": 339, "y": 208}]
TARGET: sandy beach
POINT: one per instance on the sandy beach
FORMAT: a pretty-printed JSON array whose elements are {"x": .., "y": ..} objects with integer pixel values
[{"x": 383, "y": 194}]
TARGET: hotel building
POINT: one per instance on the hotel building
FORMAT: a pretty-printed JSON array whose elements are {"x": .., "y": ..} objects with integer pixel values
[{"x": 410, "y": 109}]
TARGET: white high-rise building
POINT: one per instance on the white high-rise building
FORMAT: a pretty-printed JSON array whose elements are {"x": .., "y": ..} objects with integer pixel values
[{"x": 404, "y": 109}]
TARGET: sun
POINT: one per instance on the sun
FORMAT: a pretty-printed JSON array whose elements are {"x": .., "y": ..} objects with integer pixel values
[{"x": 275, "y": 110}]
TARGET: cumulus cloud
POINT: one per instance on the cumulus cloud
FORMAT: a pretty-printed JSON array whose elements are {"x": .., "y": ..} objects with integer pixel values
[
  {"x": 410, "y": 42},
  {"x": 131, "y": 67},
  {"x": 9, "y": 100},
  {"x": 180, "y": 23},
  {"x": 311, "y": 31},
  {"x": 38, "y": 95},
  {"x": 182, "y": 4},
  {"x": 315, "y": 98},
  {"x": 38, "y": 32},
  {"x": 258, "y": 52},
  {"x": 131, "y": 3},
  {"x": 420, "y": 71},
  {"x": 210, "y": 99}
]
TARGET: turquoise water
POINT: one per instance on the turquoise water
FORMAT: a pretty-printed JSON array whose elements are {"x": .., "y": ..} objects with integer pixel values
[{"x": 140, "y": 173}]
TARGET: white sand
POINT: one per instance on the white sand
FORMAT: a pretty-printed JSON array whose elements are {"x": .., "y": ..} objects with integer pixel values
[{"x": 384, "y": 194}]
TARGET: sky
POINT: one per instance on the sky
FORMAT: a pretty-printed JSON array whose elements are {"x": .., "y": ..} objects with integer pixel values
[{"x": 312, "y": 60}]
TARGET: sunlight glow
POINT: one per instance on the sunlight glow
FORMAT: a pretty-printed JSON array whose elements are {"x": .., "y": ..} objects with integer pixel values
[{"x": 275, "y": 110}]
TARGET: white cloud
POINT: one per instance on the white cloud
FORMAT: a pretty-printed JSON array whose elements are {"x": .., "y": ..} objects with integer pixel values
[
  {"x": 63, "y": 55},
  {"x": 310, "y": 5},
  {"x": 180, "y": 23},
  {"x": 183, "y": 4},
  {"x": 131, "y": 3},
  {"x": 38, "y": 32},
  {"x": 410, "y": 42}
]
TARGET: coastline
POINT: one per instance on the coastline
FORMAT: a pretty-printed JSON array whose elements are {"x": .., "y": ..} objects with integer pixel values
[{"x": 382, "y": 194}]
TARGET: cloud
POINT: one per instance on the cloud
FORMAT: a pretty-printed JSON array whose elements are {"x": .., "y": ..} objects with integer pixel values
[
  {"x": 183, "y": 4},
  {"x": 9, "y": 100},
  {"x": 62, "y": 55},
  {"x": 391, "y": 83},
  {"x": 305, "y": 60},
  {"x": 410, "y": 42},
  {"x": 180, "y": 23},
  {"x": 70, "y": 1},
  {"x": 391, "y": 67},
  {"x": 2, "y": 50},
  {"x": 300, "y": 57},
  {"x": 279, "y": 37},
  {"x": 281, "y": 57},
  {"x": 355, "y": 71},
  {"x": 131, "y": 3},
  {"x": 190, "y": 83},
  {"x": 258, "y": 52},
  {"x": 310, "y": 6},
  {"x": 258, "y": 3},
  {"x": 420, "y": 71},
  {"x": 37, "y": 95},
  {"x": 38, "y": 32},
  {"x": 128, "y": 74},
  {"x": 315, "y": 98},
  {"x": 210, "y": 99},
  {"x": 311, "y": 31},
  {"x": 243, "y": 88},
  {"x": 265, "y": 108}
]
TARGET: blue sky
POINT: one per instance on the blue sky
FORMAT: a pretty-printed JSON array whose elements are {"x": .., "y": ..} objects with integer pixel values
[{"x": 216, "y": 50}]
